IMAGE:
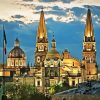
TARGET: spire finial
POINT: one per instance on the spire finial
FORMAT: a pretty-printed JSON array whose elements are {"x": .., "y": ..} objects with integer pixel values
[
  {"x": 88, "y": 6},
  {"x": 17, "y": 35},
  {"x": 17, "y": 43},
  {"x": 42, "y": 8},
  {"x": 53, "y": 35},
  {"x": 53, "y": 42}
]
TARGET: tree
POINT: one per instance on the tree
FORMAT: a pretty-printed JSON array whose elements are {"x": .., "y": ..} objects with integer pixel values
[
  {"x": 19, "y": 92},
  {"x": 59, "y": 87},
  {"x": 24, "y": 92},
  {"x": 10, "y": 91}
]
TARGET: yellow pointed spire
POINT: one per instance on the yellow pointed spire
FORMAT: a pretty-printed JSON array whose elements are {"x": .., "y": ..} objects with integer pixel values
[
  {"x": 89, "y": 32},
  {"x": 42, "y": 33}
]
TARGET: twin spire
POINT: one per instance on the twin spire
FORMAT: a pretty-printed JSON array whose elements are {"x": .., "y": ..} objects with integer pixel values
[
  {"x": 89, "y": 31},
  {"x": 88, "y": 35}
]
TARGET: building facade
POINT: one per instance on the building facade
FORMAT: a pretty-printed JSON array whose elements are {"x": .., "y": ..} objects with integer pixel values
[
  {"x": 16, "y": 58},
  {"x": 70, "y": 69},
  {"x": 89, "y": 50},
  {"x": 41, "y": 42},
  {"x": 55, "y": 68},
  {"x": 51, "y": 67}
]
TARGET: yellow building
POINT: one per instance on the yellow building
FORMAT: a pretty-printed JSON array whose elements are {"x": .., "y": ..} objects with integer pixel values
[
  {"x": 52, "y": 67},
  {"x": 70, "y": 70},
  {"x": 16, "y": 58},
  {"x": 40, "y": 53},
  {"x": 89, "y": 50},
  {"x": 41, "y": 42}
]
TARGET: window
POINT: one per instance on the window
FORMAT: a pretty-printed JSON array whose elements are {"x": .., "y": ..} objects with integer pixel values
[
  {"x": 85, "y": 58},
  {"x": 20, "y": 63},
  {"x": 38, "y": 83},
  {"x": 41, "y": 48},
  {"x": 89, "y": 73},
  {"x": 52, "y": 73},
  {"x": 64, "y": 99},
  {"x": 73, "y": 83},
  {"x": 16, "y": 64},
  {"x": 12, "y": 64}
]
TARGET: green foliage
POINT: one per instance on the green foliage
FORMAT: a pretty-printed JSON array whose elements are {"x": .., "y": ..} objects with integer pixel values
[
  {"x": 19, "y": 92},
  {"x": 59, "y": 87},
  {"x": 24, "y": 92}
]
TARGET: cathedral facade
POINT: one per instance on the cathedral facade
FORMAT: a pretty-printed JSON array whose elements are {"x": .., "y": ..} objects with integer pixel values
[{"x": 51, "y": 67}]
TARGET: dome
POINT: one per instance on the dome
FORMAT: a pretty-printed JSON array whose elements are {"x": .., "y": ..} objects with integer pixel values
[
  {"x": 53, "y": 54},
  {"x": 16, "y": 52}
]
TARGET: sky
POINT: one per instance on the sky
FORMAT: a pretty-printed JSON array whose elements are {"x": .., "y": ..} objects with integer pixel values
[{"x": 66, "y": 18}]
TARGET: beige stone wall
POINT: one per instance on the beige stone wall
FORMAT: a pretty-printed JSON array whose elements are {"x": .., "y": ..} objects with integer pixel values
[
  {"x": 24, "y": 80},
  {"x": 11, "y": 62},
  {"x": 77, "y": 80}
]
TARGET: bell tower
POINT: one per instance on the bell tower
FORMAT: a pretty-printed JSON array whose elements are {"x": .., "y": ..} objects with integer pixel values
[
  {"x": 89, "y": 50},
  {"x": 41, "y": 42}
]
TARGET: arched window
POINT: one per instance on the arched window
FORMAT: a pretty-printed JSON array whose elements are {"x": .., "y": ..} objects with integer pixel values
[{"x": 64, "y": 99}]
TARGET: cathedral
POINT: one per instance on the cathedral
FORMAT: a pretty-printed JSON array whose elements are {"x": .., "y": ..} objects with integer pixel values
[{"x": 51, "y": 67}]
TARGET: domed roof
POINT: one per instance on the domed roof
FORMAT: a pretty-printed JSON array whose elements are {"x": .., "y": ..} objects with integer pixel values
[
  {"x": 16, "y": 52},
  {"x": 53, "y": 54}
]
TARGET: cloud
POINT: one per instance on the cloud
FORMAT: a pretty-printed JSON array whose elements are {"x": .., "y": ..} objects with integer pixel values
[
  {"x": 28, "y": 11},
  {"x": 97, "y": 18},
  {"x": 27, "y": 0},
  {"x": 17, "y": 16}
]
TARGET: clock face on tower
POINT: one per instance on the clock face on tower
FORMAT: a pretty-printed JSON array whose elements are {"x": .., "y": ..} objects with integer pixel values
[{"x": 38, "y": 59}]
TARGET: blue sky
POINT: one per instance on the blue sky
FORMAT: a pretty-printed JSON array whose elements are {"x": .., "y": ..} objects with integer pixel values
[{"x": 66, "y": 18}]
